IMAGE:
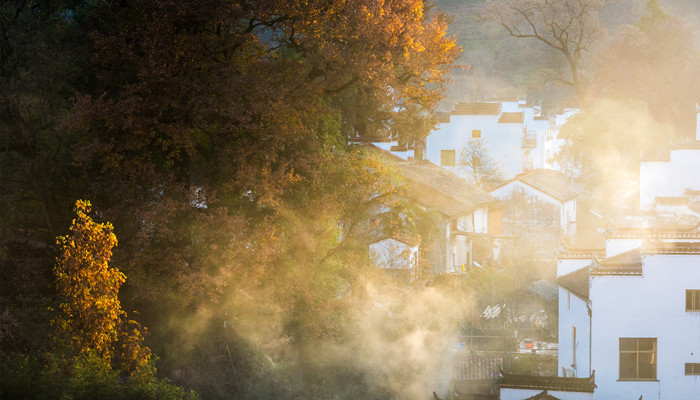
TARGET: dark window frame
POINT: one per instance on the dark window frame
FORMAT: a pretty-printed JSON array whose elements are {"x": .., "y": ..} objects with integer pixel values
[
  {"x": 692, "y": 368},
  {"x": 637, "y": 357},
  {"x": 692, "y": 300}
]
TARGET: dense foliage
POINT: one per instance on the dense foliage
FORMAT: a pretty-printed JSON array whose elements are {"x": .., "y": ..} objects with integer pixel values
[{"x": 214, "y": 136}]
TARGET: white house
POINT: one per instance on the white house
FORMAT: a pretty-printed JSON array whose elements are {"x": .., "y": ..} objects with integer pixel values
[
  {"x": 629, "y": 313},
  {"x": 462, "y": 210},
  {"x": 671, "y": 173},
  {"x": 518, "y": 138},
  {"x": 459, "y": 210},
  {"x": 549, "y": 186}
]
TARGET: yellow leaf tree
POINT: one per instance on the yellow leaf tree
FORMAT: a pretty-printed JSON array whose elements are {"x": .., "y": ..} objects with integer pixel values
[{"x": 90, "y": 315}]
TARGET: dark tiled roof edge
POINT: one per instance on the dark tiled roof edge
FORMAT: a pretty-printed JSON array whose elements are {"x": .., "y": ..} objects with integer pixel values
[{"x": 548, "y": 383}]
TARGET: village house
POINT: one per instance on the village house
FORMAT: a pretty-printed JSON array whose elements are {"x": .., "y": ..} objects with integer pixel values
[
  {"x": 629, "y": 312},
  {"x": 460, "y": 213},
  {"x": 518, "y": 138},
  {"x": 548, "y": 188}
]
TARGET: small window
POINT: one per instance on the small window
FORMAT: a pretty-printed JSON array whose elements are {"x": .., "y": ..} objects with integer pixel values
[
  {"x": 637, "y": 359},
  {"x": 447, "y": 158},
  {"x": 476, "y": 134},
  {"x": 692, "y": 368},
  {"x": 692, "y": 300}
]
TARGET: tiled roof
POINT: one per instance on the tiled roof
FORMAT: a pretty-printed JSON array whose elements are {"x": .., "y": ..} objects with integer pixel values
[
  {"x": 545, "y": 289},
  {"x": 548, "y": 383},
  {"x": 436, "y": 187},
  {"x": 553, "y": 183},
  {"x": 659, "y": 226},
  {"x": 542, "y": 396},
  {"x": 476, "y": 109},
  {"x": 577, "y": 282},
  {"x": 511, "y": 117},
  {"x": 660, "y": 247},
  {"x": 627, "y": 263},
  {"x": 442, "y": 117},
  {"x": 477, "y": 367},
  {"x": 568, "y": 251}
]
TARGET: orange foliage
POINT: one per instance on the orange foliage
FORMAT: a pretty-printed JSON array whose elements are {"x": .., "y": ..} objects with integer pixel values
[{"x": 91, "y": 318}]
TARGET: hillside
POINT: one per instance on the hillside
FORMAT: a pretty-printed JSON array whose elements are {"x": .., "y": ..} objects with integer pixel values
[{"x": 495, "y": 64}]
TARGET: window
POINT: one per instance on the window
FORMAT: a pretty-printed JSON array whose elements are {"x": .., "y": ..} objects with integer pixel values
[
  {"x": 692, "y": 300},
  {"x": 476, "y": 134},
  {"x": 692, "y": 368},
  {"x": 637, "y": 359},
  {"x": 447, "y": 158}
]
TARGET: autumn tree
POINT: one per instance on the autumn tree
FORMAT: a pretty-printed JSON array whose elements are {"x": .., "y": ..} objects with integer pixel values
[
  {"x": 90, "y": 314},
  {"x": 215, "y": 136},
  {"x": 568, "y": 27},
  {"x": 476, "y": 161}
]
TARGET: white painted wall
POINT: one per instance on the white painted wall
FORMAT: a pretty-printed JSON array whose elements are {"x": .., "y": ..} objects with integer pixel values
[
  {"x": 568, "y": 217},
  {"x": 669, "y": 178},
  {"x": 552, "y": 144},
  {"x": 648, "y": 306},
  {"x": 568, "y": 265},
  {"x": 573, "y": 312},
  {"x": 567, "y": 210},
  {"x": 614, "y": 247},
  {"x": 481, "y": 220},
  {"x": 502, "y": 140},
  {"x": 522, "y": 394},
  {"x": 507, "y": 190}
]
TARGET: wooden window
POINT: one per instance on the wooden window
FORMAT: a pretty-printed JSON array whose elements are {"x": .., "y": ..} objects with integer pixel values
[
  {"x": 476, "y": 134},
  {"x": 637, "y": 359},
  {"x": 692, "y": 368},
  {"x": 447, "y": 158},
  {"x": 692, "y": 300}
]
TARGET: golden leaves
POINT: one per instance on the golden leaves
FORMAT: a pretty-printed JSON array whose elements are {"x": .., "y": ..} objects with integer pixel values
[{"x": 90, "y": 315}]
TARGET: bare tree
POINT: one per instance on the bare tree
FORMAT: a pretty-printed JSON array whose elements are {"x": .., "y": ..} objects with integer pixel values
[
  {"x": 474, "y": 158},
  {"x": 567, "y": 26}
]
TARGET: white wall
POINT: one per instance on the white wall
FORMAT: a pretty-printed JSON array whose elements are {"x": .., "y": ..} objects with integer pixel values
[
  {"x": 481, "y": 220},
  {"x": 568, "y": 265},
  {"x": 614, "y": 247},
  {"x": 573, "y": 312},
  {"x": 505, "y": 191},
  {"x": 552, "y": 144},
  {"x": 502, "y": 140},
  {"x": 669, "y": 178},
  {"x": 567, "y": 210},
  {"x": 648, "y": 306}
]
